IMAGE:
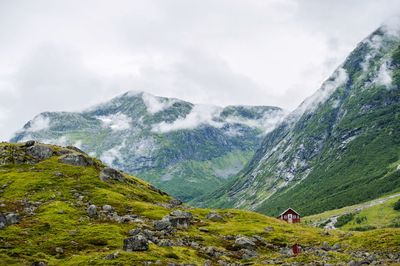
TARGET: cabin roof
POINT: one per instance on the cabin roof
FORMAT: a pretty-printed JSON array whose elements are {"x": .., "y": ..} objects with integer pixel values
[{"x": 288, "y": 210}]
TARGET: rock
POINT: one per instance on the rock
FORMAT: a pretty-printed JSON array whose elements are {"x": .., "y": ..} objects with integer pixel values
[
  {"x": 39, "y": 263},
  {"x": 3, "y": 221},
  {"x": 165, "y": 243},
  {"x": 40, "y": 152},
  {"x": 248, "y": 254},
  {"x": 175, "y": 202},
  {"x": 128, "y": 218},
  {"x": 179, "y": 213},
  {"x": 109, "y": 174},
  {"x": 135, "y": 231},
  {"x": 59, "y": 250},
  {"x": 112, "y": 256},
  {"x": 179, "y": 219},
  {"x": 136, "y": 243},
  {"x": 245, "y": 243},
  {"x": 92, "y": 211},
  {"x": 325, "y": 246},
  {"x": 30, "y": 143},
  {"x": 204, "y": 230},
  {"x": 268, "y": 229},
  {"x": 336, "y": 246},
  {"x": 76, "y": 159},
  {"x": 214, "y": 216},
  {"x": 108, "y": 208},
  {"x": 162, "y": 224},
  {"x": 75, "y": 149},
  {"x": 12, "y": 218}
]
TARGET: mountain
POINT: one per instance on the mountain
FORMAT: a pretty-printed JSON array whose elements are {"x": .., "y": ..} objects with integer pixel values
[
  {"x": 341, "y": 146},
  {"x": 59, "y": 206},
  {"x": 182, "y": 148}
]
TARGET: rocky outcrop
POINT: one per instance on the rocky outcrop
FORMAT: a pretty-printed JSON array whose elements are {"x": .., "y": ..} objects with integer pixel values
[
  {"x": 214, "y": 216},
  {"x": 111, "y": 174},
  {"x": 76, "y": 159},
  {"x": 9, "y": 219},
  {"x": 136, "y": 243}
]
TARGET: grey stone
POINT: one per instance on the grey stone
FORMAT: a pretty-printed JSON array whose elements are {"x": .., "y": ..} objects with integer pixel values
[
  {"x": 59, "y": 250},
  {"x": 162, "y": 224},
  {"x": 245, "y": 243},
  {"x": 92, "y": 211},
  {"x": 165, "y": 243},
  {"x": 3, "y": 221},
  {"x": 214, "y": 216},
  {"x": 108, "y": 208},
  {"x": 30, "y": 143},
  {"x": 109, "y": 174},
  {"x": 76, "y": 159},
  {"x": 12, "y": 218},
  {"x": 179, "y": 213},
  {"x": 112, "y": 256},
  {"x": 136, "y": 243},
  {"x": 40, "y": 152}
]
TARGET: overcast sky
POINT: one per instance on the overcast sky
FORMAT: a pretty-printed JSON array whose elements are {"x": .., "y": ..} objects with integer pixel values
[{"x": 68, "y": 55}]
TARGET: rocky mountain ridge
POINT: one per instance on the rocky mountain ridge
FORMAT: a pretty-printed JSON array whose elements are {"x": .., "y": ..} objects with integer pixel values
[
  {"x": 338, "y": 148},
  {"x": 181, "y": 147}
]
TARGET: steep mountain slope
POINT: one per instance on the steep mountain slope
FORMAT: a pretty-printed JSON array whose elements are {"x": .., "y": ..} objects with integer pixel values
[
  {"x": 59, "y": 206},
  {"x": 340, "y": 147},
  {"x": 183, "y": 148}
]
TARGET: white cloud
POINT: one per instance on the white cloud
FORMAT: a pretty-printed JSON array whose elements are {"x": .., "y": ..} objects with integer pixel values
[
  {"x": 40, "y": 122},
  {"x": 116, "y": 121},
  {"x": 156, "y": 104},
  {"x": 221, "y": 52},
  {"x": 199, "y": 115},
  {"x": 113, "y": 154},
  {"x": 339, "y": 78},
  {"x": 384, "y": 76}
]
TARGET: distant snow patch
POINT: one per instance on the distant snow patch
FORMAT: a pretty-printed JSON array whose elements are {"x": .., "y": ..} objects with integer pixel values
[
  {"x": 116, "y": 121},
  {"x": 199, "y": 115},
  {"x": 156, "y": 104},
  {"x": 40, "y": 122}
]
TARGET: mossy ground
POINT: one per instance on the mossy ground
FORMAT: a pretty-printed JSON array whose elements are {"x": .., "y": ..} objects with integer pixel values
[{"x": 61, "y": 221}]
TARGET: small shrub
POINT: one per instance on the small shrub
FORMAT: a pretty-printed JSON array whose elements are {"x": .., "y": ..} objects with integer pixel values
[
  {"x": 344, "y": 219},
  {"x": 360, "y": 219},
  {"x": 363, "y": 228},
  {"x": 172, "y": 256},
  {"x": 397, "y": 205}
]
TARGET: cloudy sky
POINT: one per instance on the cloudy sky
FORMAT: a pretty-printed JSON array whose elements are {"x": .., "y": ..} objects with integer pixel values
[{"x": 68, "y": 55}]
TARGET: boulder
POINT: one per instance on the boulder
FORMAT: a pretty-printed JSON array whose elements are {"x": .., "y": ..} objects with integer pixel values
[
  {"x": 108, "y": 208},
  {"x": 248, "y": 254},
  {"x": 179, "y": 213},
  {"x": 112, "y": 256},
  {"x": 109, "y": 174},
  {"x": 92, "y": 211},
  {"x": 162, "y": 224},
  {"x": 128, "y": 218},
  {"x": 165, "y": 243},
  {"x": 59, "y": 250},
  {"x": 30, "y": 143},
  {"x": 12, "y": 218},
  {"x": 175, "y": 202},
  {"x": 3, "y": 221},
  {"x": 76, "y": 159},
  {"x": 136, "y": 243},
  {"x": 245, "y": 242},
  {"x": 214, "y": 216},
  {"x": 40, "y": 152}
]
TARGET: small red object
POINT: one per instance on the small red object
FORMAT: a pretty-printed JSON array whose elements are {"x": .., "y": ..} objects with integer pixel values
[{"x": 296, "y": 249}]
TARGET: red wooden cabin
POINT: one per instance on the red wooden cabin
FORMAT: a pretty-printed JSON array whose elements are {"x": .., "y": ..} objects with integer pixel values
[{"x": 290, "y": 216}]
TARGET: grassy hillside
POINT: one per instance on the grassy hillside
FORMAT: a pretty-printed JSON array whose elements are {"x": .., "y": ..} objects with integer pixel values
[
  {"x": 378, "y": 213},
  {"x": 48, "y": 193}
]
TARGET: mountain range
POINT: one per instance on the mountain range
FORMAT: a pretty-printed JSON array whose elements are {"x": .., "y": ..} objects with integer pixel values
[
  {"x": 341, "y": 146},
  {"x": 185, "y": 149}
]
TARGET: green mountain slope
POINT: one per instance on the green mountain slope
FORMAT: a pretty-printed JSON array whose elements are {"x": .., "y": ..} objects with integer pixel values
[
  {"x": 378, "y": 213},
  {"x": 183, "y": 148},
  {"x": 339, "y": 147},
  {"x": 59, "y": 206}
]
